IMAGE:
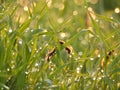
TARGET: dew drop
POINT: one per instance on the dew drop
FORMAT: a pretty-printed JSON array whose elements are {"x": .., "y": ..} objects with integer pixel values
[
  {"x": 46, "y": 44},
  {"x": 99, "y": 55},
  {"x": 97, "y": 20},
  {"x": 90, "y": 9},
  {"x": 36, "y": 64},
  {"x": 60, "y": 20},
  {"x": 80, "y": 53},
  {"x": 75, "y": 12},
  {"x": 81, "y": 66},
  {"x": 102, "y": 71},
  {"x": 13, "y": 53},
  {"x": 26, "y": 72},
  {"x": 62, "y": 35},
  {"x": 52, "y": 69},
  {"x": 40, "y": 48},
  {"x": 10, "y": 30},
  {"x": 117, "y": 10},
  {"x": 20, "y": 41},
  {"x": 78, "y": 69},
  {"x": 91, "y": 35},
  {"x": 8, "y": 69},
  {"x": 99, "y": 78},
  {"x": 69, "y": 80},
  {"x": 111, "y": 17},
  {"x": 13, "y": 66},
  {"x": 61, "y": 6},
  {"x": 85, "y": 7},
  {"x": 91, "y": 59},
  {"x": 70, "y": 56},
  {"x": 37, "y": 51},
  {"x": 49, "y": 2},
  {"x": 94, "y": 78},
  {"x": 113, "y": 36},
  {"x": 32, "y": 30},
  {"x": 25, "y": 8},
  {"x": 32, "y": 43}
]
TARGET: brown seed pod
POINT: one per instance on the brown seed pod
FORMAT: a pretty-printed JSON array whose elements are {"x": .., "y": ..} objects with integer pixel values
[
  {"x": 50, "y": 54},
  {"x": 53, "y": 51},
  {"x": 61, "y": 42},
  {"x": 109, "y": 54},
  {"x": 107, "y": 57},
  {"x": 68, "y": 49}
]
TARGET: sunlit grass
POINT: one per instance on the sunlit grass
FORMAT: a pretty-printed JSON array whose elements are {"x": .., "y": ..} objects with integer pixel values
[{"x": 81, "y": 46}]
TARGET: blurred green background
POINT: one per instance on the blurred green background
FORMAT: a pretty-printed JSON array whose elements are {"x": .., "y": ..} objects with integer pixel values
[{"x": 30, "y": 29}]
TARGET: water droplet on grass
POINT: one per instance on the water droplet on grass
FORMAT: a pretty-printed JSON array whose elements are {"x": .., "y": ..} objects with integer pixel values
[
  {"x": 90, "y": 9},
  {"x": 40, "y": 48},
  {"x": 37, "y": 51},
  {"x": 20, "y": 42},
  {"x": 113, "y": 36},
  {"x": 97, "y": 20},
  {"x": 75, "y": 12},
  {"x": 60, "y": 20},
  {"x": 46, "y": 44},
  {"x": 69, "y": 80},
  {"x": 117, "y": 10},
  {"x": 61, "y": 6},
  {"x": 32, "y": 30},
  {"x": 78, "y": 69},
  {"x": 36, "y": 64},
  {"x": 49, "y": 3},
  {"x": 99, "y": 55},
  {"x": 26, "y": 72},
  {"x": 102, "y": 71},
  {"x": 62, "y": 34},
  {"x": 13, "y": 66},
  {"x": 94, "y": 78},
  {"x": 8, "y": 69},
  {"x": 99, "y": 78},
  {"x": 91, "y": 59},
  {"x": 13, "y": 53},
  {"x": 81, "y": 66},
  {"x": 25, "y": 8},
  {"x": 10, "y": 30},
  {"x": 32, "y": 43},
  {"x": 80, "y": 53}
]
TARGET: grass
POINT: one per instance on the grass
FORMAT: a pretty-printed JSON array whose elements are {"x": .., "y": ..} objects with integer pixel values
[{"x": 29, "y": 30}]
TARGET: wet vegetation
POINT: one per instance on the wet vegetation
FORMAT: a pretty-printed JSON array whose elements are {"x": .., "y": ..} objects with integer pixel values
[{"x": 59, "y": 45}]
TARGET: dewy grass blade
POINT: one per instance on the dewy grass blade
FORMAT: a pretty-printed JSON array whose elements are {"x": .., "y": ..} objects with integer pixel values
[
  {"x": 2, "y": 54},
  {"x": 97, "y": 30},
  {"x": 116, "y": 70},
  {"x": 3, "y": 85},
  {"x": 25, "y": 43},
  {"x": 113, "y": 63},
  {"x": 24, "y": 26},
  {"x": 74, "y": 37}
]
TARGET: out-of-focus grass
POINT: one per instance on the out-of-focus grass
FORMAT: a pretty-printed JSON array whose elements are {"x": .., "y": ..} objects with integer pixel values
[{"x": 30, "y": 29}]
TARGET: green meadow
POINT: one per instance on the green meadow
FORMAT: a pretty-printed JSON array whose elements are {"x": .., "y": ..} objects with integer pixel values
[{"x": 59, "y": 44}]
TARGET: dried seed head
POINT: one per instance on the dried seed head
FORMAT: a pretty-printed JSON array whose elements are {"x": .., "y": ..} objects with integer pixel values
[
  {"x": 109, "y": 54},
  {"x": 68, "y": 49},
  {"x": 53, "y": 51},
  {"x": 50, "y": 54},
  {"x": 61, "y": 42}
]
